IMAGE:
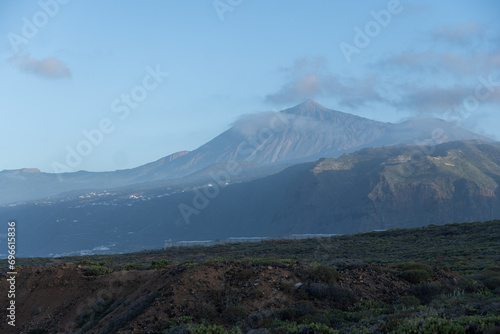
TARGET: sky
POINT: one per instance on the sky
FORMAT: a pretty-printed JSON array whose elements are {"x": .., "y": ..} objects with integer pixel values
[{"x": 106, "y": 85}]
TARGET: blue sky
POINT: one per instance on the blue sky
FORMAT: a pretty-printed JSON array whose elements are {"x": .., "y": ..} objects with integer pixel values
[{"x": 66, "y": 66}]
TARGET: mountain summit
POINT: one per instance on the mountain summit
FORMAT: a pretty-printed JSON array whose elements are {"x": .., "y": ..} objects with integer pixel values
[{"x": 313, "y": 109}]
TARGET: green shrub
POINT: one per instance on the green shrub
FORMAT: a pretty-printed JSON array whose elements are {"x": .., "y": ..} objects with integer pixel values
[
  {"x": 212, "y": 329},
  {"x": 131, "y": 266},
  {"x": 426, "y": 292},
  {"x": 269, "y": 261},
  {"x": 206, "y": 312},
  {"x": 323, "y": 274},
  {"x": 415, "y": 275},
  {"x": 95, "y": 270},
  {"x": 293, "y": 327},
  {"x": 428, "y": 325},
  {"x": 158, "y": 264},
  {"x": 180, "y": 321},
  {"x": 96, "y": 263},
  {"x": 490, "y": 277},
  {"x": 232, "y": 314},
  {"x": 468, "y": 285},
  {"x": 409, "y": 301},
  {"x": 415, "y": 265},
  {"x": 338, "y": 296}
]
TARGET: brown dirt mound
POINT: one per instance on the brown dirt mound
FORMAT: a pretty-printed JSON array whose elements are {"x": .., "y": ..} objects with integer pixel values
[{"x": 61, "y": 299}]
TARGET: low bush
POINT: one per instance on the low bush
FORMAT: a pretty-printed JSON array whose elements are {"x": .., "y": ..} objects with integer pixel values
[
  {"x": 323, "y": 274},
  {"x": 95, "y": 270},
  {"x": 212, "y": 329},
  {"x": 131, "y": 266},
  {"x": 415, "y": 266},
  {"x": 244, "y": 275},
  {"x": 158, "y": 264},
  {"x": 409, "y": 301},
  {"x": 232, "y": 314},
  {"x": 429, "y": 325},
  {"x": 415, "y": 275},
  {"x": 205, "y": 312},
  {"x": 293, "y": 327},
  {"x": 337, "y": 296},
  {"x": 490, "y": 277},
  {"x": 426, "y": 292}
]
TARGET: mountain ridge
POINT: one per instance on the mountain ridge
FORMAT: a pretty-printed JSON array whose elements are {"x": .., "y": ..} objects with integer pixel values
[
  {"x": 371, "y": 189},
  {"x": 305, "y": 132}
]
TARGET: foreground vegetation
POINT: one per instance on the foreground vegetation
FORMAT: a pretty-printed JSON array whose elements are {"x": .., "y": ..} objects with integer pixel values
[
  {"x": 464, "y": 248},
  {"x": 451, "y": 278}
]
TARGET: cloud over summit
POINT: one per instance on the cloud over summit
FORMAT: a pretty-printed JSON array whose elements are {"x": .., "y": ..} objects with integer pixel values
[{"x": 311, "y": 78}]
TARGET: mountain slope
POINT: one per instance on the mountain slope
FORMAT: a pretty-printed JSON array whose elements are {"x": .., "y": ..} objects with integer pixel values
[
  {"x": 374, "y": 188},
  {"x": 308, "y": 132}
]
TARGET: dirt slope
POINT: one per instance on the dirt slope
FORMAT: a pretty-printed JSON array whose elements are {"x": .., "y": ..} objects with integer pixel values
[{"x": 61, "y": 299}]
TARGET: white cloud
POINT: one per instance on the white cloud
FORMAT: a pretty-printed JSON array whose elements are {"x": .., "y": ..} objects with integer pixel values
[
  {"x": 458, "y": 34},
  {"x": 310, "y": 78},
  {"x": 50, "y": 67}
]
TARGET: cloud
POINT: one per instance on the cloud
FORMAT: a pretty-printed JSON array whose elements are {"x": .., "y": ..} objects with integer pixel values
[
  {"x": 462, "y": 49},
  {"x": 429, "y": 99},
  {"x": 51, "y": 67},
  {"x": 458, "y": 34},
  {"x": 450, "y": 63},
  {"x": 310, "y": 78},
  {"x": 435, "y": 99}
]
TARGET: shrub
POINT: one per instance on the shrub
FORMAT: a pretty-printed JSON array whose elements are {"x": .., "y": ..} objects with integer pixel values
[
  {"x": 180, "y": 321},
  {"x": 409, "y": 301},
  {"x": 131, "y": 266},
  {"x": 302, "y": 308},
  {"x": 287, "y": 288},
  {"x": 212, "y": 329},
  {"x": 323, "y": 274},
  {"x": 158, "y": 264},
  {"x": 415, "y": 275},
  {"x": 338, "y": 296},
  {"x": 232, "y": 314},
  {"x": 269, "y": 261},
  {"x": 468, "y": 285},
  {"x": 432, "y": 324},
  {"x": 415, "y": 265},
  {"x": 425, "y": 292},
  {"x": 490, "y": 277},
  {"x": 206, "y": 312},
  {"x": 293, "y": 327},
  {"x": 244, "y": 275},
  {"x": 95, "y": 270}
]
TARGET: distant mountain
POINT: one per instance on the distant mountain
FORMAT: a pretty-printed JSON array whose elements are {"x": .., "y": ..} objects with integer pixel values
[
  {"x": 373, "y": 188},
  {"x": 305, "y": 132}
]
